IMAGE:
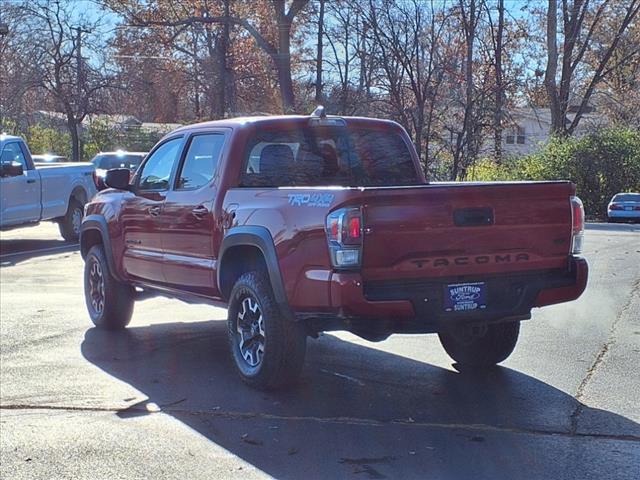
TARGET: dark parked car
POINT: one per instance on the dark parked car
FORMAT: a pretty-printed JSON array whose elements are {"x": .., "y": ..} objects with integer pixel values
[
  {"x": 105, "y": 161},
  {"x": 624, "y": 207}
]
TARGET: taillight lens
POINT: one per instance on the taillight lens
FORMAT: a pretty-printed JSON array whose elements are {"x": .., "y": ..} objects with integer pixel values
[
  {"x": 577, "y": 229},
  {"x": 615, "y": 206},
  {"x": 353, "y": 228},
  {"x": 344, "y": 234}
]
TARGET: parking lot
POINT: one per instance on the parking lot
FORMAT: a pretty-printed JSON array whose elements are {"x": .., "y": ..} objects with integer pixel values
[{"x": 162, "y": 400}]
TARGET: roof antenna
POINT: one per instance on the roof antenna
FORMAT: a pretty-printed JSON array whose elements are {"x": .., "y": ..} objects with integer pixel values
[{"x": 319, "y": 112}]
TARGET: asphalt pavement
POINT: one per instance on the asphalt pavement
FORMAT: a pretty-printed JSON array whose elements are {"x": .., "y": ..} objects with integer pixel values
[{"x": 161, "y": 399}]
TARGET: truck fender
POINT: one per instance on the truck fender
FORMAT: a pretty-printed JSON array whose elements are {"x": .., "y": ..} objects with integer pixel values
[
  {"x": 97, "y": 223},
  {"x": 259, "y": 237}
]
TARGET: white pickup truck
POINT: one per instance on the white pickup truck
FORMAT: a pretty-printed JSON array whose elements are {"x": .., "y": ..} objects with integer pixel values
[{"x": 30, "y": 194}]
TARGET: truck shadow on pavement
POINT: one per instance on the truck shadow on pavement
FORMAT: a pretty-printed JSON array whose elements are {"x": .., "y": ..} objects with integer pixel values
[
  {"x": 364, "y": 412},
  {"x": 14, "y": 251}
]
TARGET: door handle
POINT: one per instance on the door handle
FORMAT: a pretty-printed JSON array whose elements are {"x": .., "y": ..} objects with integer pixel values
[
  {"x": 155, "y": 210},
  {"x": 31, "y": 180},
  {"x": 200, "y": 211}
]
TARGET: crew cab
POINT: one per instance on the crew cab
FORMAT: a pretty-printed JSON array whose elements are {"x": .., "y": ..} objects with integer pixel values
[
  {"x": 304, "y": 224},
  {"x": 33, "y": 193}
]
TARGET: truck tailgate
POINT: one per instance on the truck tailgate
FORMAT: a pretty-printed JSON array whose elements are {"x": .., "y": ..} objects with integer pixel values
[{"x": 454, "y": 229}]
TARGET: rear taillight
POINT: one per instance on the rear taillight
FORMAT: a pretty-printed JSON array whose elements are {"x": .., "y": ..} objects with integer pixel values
[
  {"x": 615, "y": 206},
  {"x": 577, "y": 229},
  {"x": 96, "y": 180},
  {"x": 344, "y": 234}
]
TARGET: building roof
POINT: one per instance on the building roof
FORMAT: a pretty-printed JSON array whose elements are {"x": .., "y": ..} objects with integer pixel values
[{"x": 543, "y": 116}]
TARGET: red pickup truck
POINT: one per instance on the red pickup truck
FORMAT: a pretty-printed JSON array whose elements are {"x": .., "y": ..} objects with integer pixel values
[{"x": 304, "y": 224}]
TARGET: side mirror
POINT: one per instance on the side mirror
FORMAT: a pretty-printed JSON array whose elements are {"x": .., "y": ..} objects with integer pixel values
[
  {"x": 118, "y": 178},
  {"x": 11, "y": 169}
]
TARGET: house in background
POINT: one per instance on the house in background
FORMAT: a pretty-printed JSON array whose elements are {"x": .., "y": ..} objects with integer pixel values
[{"x": 527, "y": 129}]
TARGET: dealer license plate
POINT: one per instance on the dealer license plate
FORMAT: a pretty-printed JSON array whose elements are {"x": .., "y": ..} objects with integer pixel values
[{"x": 464, "y": 297}]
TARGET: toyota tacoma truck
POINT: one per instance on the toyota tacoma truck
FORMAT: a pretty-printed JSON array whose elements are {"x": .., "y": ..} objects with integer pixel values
[
  {"x": 33, "y": 193},
  {"x": 304, "y": 224}
]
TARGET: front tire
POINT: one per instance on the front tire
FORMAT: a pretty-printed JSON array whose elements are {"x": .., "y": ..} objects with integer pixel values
[
  {"x": 480, "y": 347},
  {"x": 69, "y": 225},
  {"x": 268, "y": 349},
  {"x": 109, "y": 302}
]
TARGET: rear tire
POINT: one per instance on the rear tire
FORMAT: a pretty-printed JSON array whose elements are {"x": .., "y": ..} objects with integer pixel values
[
  {"x": 69, "y": 225},
  {"x": 268, "y": 349},
  {"x": 484, "y": 349},
  {"x": 109, "y": 302}
]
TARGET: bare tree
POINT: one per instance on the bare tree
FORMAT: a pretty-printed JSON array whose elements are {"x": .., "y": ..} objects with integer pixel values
[
  {"x": 413, "y": 35},
  {"x": 56, "y": 43},
  {"x": 342, "y": 33},
  {"x": 467, "y": 142},
  {"x": 581, "y": 19},
  {"x": 279, "y": 51},
  {"x": 17, "y": 75}
]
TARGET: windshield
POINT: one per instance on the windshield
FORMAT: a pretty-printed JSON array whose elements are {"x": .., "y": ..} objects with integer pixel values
[
  {"x": 627, "y": 197},
  {"x": 109, "y": 161},
  {"x": 319, "y": 156}
]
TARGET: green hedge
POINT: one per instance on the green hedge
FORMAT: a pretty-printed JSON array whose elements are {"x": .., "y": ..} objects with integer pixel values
[
  {"x": 43, "y": 140},
  {"x": 600, "y": 164}
]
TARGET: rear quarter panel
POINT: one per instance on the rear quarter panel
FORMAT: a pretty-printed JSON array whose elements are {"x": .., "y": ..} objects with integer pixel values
[{"x": 295, "y": 217}]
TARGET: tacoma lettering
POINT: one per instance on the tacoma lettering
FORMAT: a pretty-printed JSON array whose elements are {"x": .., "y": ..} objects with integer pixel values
[{"x": 479, "y": 260}]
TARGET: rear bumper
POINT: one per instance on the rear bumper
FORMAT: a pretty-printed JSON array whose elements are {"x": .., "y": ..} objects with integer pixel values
[
  {"x": 579, "y": 273},
  {"x": 631, "y": 214},
  {"x": 510, "y": 296}
]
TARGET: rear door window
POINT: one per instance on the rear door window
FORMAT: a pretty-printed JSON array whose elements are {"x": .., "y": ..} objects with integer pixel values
[{"x": 328, "y": 156}]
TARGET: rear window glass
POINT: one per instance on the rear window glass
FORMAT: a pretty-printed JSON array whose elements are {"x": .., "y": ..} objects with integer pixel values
[
  {"x": 328, "y": 156},
  {"x": 627, "y": 197}
]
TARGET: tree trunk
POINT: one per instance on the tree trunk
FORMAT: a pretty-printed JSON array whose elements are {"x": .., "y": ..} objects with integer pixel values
[
  {"x": 223, "y": 73},
  {"x": 497, "y": 132},
  {"x": 417, "y": 139},
  {"x": 282, "y": 61},
  {"x": 319, "y": 98},
  {"x": 470, "y": 33},
  {"x": 557, "y": 117},
  {"x": 283, "y": 68},
  {"x": 72, "y": 125},
  {"x": 230, "y": 80},
  {"x": 196, "y": 91}
]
